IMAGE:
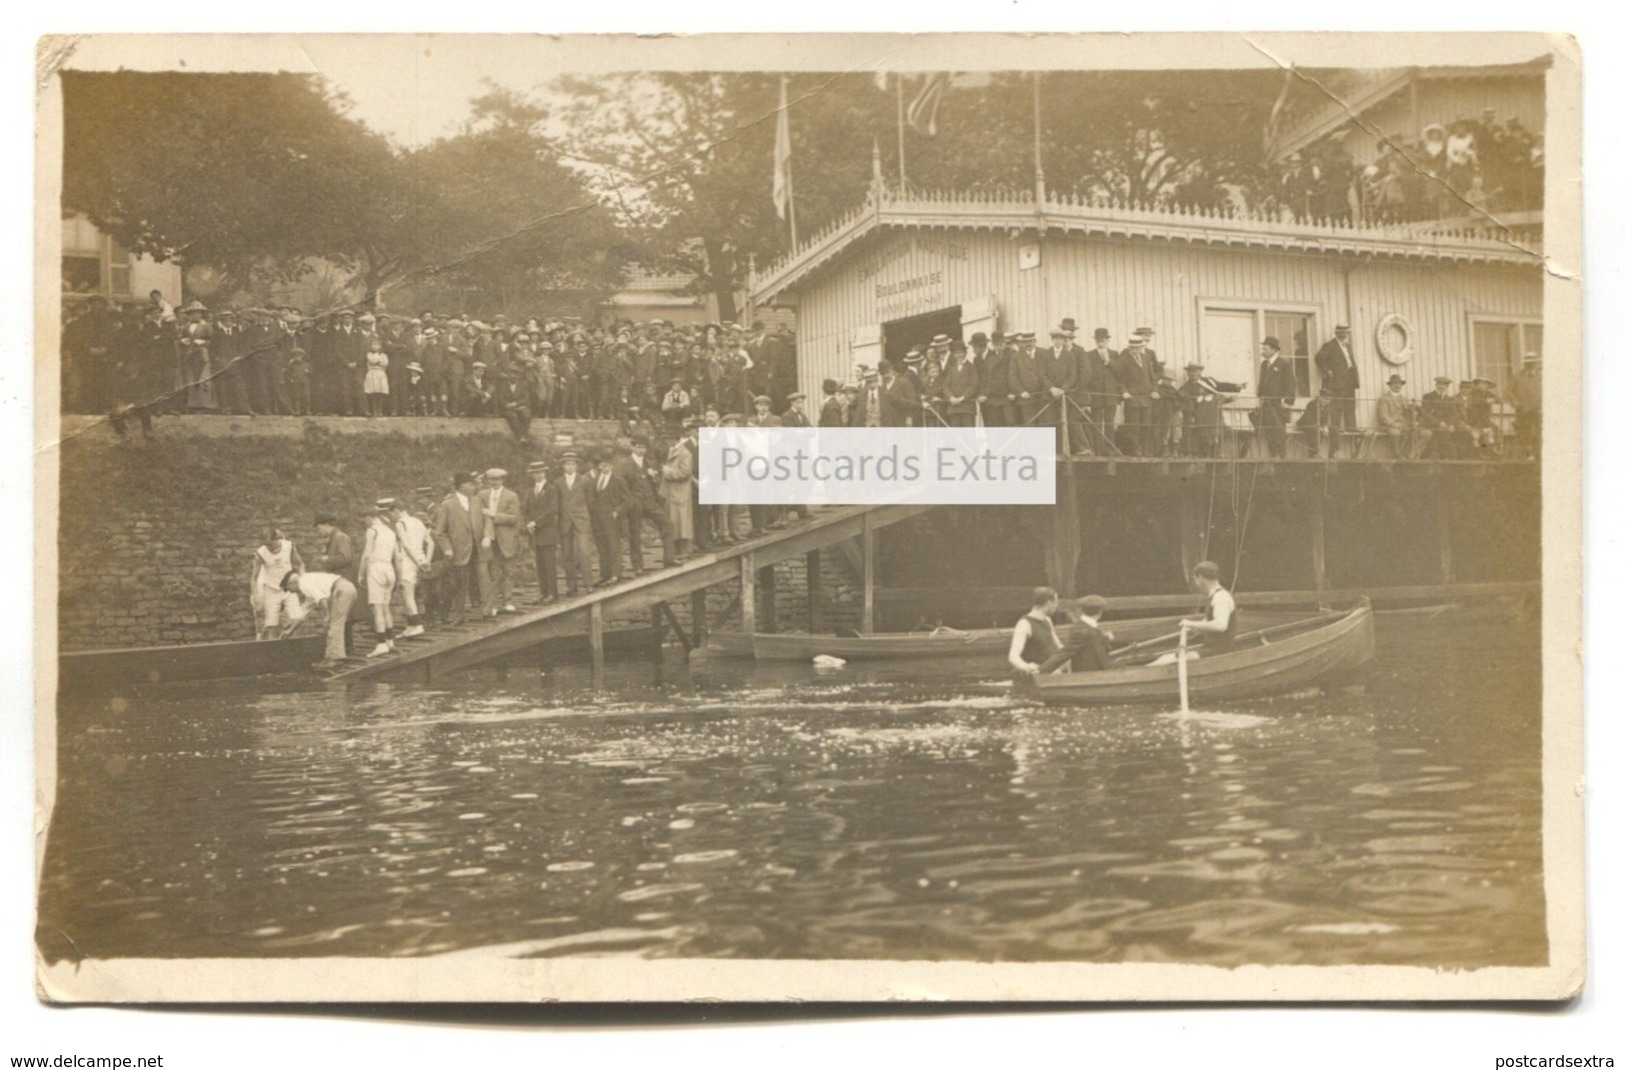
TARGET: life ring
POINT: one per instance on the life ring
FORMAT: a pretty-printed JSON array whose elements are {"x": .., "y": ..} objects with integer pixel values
[{"x": 1394, "y": 337}]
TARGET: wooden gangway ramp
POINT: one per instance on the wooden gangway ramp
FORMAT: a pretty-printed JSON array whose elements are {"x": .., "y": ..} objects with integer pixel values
[{"x": 449, "y": 649}]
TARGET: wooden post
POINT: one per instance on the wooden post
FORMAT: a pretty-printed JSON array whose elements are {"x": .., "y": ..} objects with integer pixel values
[
  {"x": 696, "y": 611},
  {"x": 868, "y": 622},
  {"x": 1317, "y": 538},
  {"x": 595, "y": 638},
  {"x": 770, "y": 608},
  {"x": 657, "y": 623},
  {"x": 815, "y": 593},
  {"x": 747, "y": 593},
  {"x": 1447, "y": 566}
]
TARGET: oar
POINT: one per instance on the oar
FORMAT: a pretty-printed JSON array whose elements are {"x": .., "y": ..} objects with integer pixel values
[
  {"x": 1324, "y": 618},
  {"x": 1132, "y": 647},
  {"x": 1184, "y": 676}
]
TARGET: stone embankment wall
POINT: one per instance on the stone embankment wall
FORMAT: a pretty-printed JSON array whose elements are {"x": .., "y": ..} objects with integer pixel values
[{"x": 156, "y": 537}]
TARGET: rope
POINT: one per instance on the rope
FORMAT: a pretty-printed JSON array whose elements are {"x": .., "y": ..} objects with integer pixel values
[{"x": 1241, "y": 536}]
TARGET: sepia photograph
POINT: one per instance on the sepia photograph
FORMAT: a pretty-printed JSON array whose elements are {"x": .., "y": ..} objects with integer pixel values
[{"x": 481, "y": 554}]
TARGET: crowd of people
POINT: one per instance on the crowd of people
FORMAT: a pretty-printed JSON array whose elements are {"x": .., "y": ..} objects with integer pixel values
[
  {"x": 1451, "y": 169},
  {"x": 141, "y": 361},
  {"x": 1110, "y": 403},
  {"x": 447, "y": 553}
]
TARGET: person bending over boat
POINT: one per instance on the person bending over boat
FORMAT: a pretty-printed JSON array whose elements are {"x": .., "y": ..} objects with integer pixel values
[
  {"x": 1086, "y": 645},
  {"x": 1216, "y": 628},
  {"x": 1034, "y": 641},
  {"x": 316, "y": 588}
]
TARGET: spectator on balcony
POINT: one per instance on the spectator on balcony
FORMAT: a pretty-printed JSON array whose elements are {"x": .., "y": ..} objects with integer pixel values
[
  {"x": 1525, "y": 393},
  {"x": 1397, "y": 418},
  {"x": 1277, "y": 390},
  {"x": 1442, "y": 416},
  {"x": 1339, "y": 380}
]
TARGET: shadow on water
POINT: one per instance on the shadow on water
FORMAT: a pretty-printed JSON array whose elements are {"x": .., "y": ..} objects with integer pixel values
[{"x": 722, "y": 809}]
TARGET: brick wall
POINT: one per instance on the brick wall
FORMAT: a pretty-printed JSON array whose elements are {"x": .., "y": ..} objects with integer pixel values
[{"x": 157, "y": 537}]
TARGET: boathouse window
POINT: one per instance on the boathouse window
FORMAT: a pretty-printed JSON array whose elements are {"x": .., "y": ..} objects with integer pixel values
[
  {"x": 1232, "y": 332},
  {"x": 1291, "y": 329},
  {"x": 1499, "y": 347}
]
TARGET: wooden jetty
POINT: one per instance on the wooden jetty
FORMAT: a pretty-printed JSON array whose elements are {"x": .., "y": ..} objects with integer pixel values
[{"x": 448, "y": 650}]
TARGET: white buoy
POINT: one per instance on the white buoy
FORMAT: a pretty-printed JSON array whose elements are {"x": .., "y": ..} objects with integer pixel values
[{"x": 828, "y": 661}]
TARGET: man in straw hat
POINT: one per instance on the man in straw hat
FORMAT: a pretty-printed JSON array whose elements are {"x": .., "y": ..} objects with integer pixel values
[
  {"x": 575, "y": 523},
  {"x": 500, "y": 546},
  {"x": 540, "y": 511}
]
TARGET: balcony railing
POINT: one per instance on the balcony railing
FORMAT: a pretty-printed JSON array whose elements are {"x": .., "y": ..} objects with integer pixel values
[{"x": 1483, "y": 239}]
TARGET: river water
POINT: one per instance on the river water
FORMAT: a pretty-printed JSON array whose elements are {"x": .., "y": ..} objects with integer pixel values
[{"x": 722, "y": 809}]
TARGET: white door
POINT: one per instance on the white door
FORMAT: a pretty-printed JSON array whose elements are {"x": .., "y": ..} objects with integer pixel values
[{"x": 1229, "y": 346}]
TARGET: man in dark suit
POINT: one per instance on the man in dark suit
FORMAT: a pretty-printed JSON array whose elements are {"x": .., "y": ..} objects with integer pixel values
[
  {"x": 606, "y": 503},
  {"x": 1026, "y": 384},
  {"x": 541, "y": 515},
  {"x": 643, "y": 505},
  {"x": 575, "y": 523},
  {"x": 459, "y": 527},
  {"x": 1277, "y": 390},
  {"x": 1057, "y": 377},
  {"x": 349, "y": 350},
  {"x": 1136, "y": 383},
  {"x": 993, "y": 394},
  {"x": 1339, "y": 380},
  {"x": 1086, "y": 645},
  {"x": 865, "y": 409},
  {"x": 1099, "y": 367},
  {"x": 899, "y": 398}
]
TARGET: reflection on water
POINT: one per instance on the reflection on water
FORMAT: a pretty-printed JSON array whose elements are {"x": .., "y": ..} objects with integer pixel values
[{"x": 721, "y": 809}]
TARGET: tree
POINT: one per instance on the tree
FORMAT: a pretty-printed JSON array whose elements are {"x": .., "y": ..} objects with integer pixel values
[
  {"x": 506, "y": 217},
  {"x": 687, "y": 158},
  {"x": 243, "y": 172}
]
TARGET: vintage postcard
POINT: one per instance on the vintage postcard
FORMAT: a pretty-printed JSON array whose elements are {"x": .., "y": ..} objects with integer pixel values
[{"x": 938, "y": 517}]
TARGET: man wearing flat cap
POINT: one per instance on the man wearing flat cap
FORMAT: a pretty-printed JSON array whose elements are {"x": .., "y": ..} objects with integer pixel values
[
  {"x": 1442, "y": 416},
  {"x": 500, "y": 546},
  {"x": 1339, "y": 381}
]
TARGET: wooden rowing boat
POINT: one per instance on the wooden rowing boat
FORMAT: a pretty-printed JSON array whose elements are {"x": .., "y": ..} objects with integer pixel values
[
  {"x": 979, "y": 644},
  {"x": 126, "y": 666},
  {"x": 1273, "y": 661}
]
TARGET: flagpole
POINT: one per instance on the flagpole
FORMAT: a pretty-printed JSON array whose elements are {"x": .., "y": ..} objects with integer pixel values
[
  {"x": 902, "y": 162},
  {"x": 1038, "y": 143},
  {"x": 790, "y": 189}
]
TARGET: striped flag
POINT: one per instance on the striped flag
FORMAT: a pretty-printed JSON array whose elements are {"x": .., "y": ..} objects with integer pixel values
[
  {"x": 781, "y": 153},
  {"x": 922, "y": 110}
]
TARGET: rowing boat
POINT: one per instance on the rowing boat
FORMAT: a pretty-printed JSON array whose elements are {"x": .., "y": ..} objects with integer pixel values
[
  {"x": 126, "y": 666},
  {"x": 1272, "y": 661},
  {"x": 978, "y": 643}
]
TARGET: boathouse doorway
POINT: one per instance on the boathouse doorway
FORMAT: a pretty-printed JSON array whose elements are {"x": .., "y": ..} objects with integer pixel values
[{"x": 902, "y": 335}]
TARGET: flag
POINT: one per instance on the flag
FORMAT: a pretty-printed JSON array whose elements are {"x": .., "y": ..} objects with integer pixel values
[
  {"x": 1272, "y": 128},
  {"x": 781, "y": 153},
  {"x": 922, "y": 111}
]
